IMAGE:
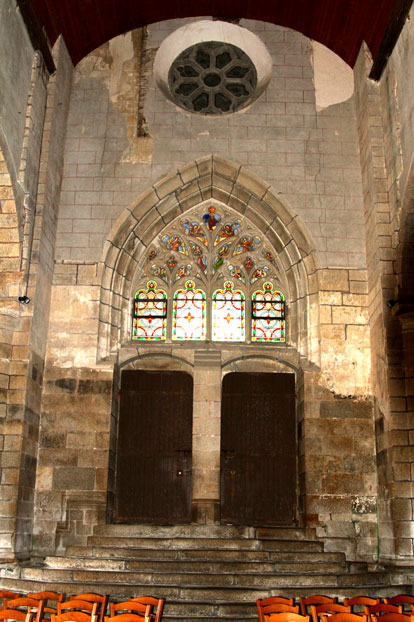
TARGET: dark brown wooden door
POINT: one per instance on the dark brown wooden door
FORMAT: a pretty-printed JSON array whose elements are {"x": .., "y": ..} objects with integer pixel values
[
  {"x": 153, "y": 478},
  {"x": 258, "y": 449}
]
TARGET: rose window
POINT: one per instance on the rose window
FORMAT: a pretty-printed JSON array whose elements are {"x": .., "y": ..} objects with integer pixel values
[{"x": 212, "y": 78}]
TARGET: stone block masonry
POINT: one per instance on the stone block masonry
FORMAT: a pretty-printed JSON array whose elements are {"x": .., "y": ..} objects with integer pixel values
[{"x": 308, "y": 157}]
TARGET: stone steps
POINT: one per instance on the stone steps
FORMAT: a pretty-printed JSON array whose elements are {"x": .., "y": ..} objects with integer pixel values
[
  {"x": 205, "y": 573},
  {"x": 190, "y": 566}
]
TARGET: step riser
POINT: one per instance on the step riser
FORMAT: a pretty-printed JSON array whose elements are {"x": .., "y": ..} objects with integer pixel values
[
  {"x": 234, "y": 567},
  {"x": 199, "y": 531},
  {"x": 204, "y": 554},
  {"x": 205, "y": 543},
  {"x": 182, "y": 580}
]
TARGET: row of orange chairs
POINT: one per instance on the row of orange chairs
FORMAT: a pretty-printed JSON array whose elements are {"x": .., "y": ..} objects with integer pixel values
[
  {"x": 87, "y": 607},
  {"x": 317, "y": 607}
]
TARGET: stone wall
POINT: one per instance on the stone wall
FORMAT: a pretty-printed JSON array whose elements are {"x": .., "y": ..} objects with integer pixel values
[
  {"x": 288, "y": 163},
  {"x": 15, "y": 51},
  {"x": 310, "y": 158}
]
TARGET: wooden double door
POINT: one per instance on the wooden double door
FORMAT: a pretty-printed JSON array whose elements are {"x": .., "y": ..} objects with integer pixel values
[{"x": 258, "y": 448}]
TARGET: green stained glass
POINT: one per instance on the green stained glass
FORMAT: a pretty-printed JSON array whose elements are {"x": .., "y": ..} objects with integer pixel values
[
  {"x": 268, "y": 315},
  {"x": 228, "y": 314},
  {"x": 150, "y": 313},
  {"x": 189, "y": 313}
]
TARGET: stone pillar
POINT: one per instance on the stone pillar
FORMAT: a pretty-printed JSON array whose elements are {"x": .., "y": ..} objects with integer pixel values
[
  {"x": 403, "y": 456},
  {"x": 206, "y": 437}
]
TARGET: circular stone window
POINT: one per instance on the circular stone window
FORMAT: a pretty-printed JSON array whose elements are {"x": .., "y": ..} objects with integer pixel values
[{"x": 212, "y": 76}]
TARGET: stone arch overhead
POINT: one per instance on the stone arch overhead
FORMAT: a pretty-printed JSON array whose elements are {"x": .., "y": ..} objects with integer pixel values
[
  {"x": 173, "y": 361},
  {"x": 234, "y": 185},
  {"x": 289, "y": 360}
]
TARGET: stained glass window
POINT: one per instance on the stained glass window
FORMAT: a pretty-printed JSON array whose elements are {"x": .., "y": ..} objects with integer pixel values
[
  {"x": 150, "y": 313},
  {"x": 208, "y": 262},
  {"x": 268, "y": 314},
  {"x": 189, "y": 313},
  {"x": 228, "y": 322}
]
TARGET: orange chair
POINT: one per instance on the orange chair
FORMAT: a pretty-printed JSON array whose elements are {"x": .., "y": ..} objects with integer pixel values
[
  {"x": 400, "y": 601},
  {"x": 344, "y": 617},
  {"x": 379, "y": 610},
  {"x": 156, "y": 604},
  {"x": 91, "y": 597},
  {"x": 15, "y": 615},
  {"x": 359, "y": 602},
  {"x": 314, "y": 600},
  {"x": 130, "y": 607},
  {"x": 27, "y": 605},
  {"x": 393, "y": 617},
  {"x": 275, "y": 608},
  {"x": 6, "y": 595},
  {"x": 287, "y": 617},
  {"x": 46, "y": 597},
  {"x": 76, "y": 616},
  {"x": 127, "y": 617},
  {"x": 77, "y": 605},
  {"x": 328, "y": 608}
]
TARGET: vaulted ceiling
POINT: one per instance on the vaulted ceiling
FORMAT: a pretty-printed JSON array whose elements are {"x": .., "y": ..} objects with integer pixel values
[{"x": 341, "y": 25}]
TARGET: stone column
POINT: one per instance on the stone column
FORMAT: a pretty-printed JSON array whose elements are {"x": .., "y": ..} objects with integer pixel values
[
  {"x": 403, "y": 457},
  {"x": 206, "y": 437}
]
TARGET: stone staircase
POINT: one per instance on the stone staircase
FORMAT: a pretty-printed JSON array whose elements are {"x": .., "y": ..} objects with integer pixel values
[{"x": 204, "y": 572}]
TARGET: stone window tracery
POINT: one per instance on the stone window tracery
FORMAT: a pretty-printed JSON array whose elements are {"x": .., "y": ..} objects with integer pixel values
[{"x": 221, "y": 276}]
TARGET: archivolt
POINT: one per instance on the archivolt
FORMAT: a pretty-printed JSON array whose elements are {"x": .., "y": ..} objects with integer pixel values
[{"x": 235, "y": 186}]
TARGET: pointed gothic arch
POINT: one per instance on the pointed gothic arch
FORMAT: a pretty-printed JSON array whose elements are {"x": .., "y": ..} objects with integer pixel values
[{"x": 210, "y": 177}]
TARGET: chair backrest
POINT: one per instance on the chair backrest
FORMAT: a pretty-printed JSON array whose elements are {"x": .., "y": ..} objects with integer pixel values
[
  {"x": 273, "y": 600},
  {"x": 55, "y": 597},
  {"x": 318, "y": 610},
  {"x": 101, "y": 599},
  {"x": 74, "y": 616},
  {"x": 156, "y": 604},
  {"x": 380, "y": 609},
  {"x": 401, "y": 600},
  {"x": 357, "y": 602},
  {"x": 126, "y": 617},
  {"x": 318, "y": 599},
  {"x": 129, "y": 606},
  {"x": 27, "y": 605},
  {"x": 16, "y": 614},
  {"x": 345, "y": 617},
  {"x": 76, "y": 604},
  {"x": 392, "y": 617},
  {"x": 6, "y": 595},
  {"x": 276, "y": 608},
  {"x": 287, "y": 617}
]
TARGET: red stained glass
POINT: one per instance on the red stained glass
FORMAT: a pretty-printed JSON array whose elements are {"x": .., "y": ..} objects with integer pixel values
[
  {"x": 268, "y": 315},
  {"x": 150, "y": 313}
]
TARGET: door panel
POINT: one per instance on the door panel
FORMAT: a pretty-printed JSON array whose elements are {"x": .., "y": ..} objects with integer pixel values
[
  {"x": 258, "y": 449},
  {"x": 153, "y": 479}
]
